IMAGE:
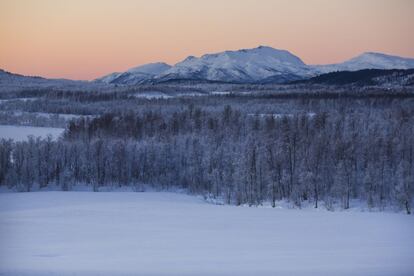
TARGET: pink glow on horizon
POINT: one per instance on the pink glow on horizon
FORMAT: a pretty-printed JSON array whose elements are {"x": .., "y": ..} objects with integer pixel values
[{"x": 85, "y": 39}]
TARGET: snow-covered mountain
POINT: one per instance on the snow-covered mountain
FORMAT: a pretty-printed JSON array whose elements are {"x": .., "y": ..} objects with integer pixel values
[
  {"x": 136, "y": 75},
  {"x": 242, "y": 66},
  {"x": 368, "y": 60},
  {"x": 261, "y": 64},
  {"x": 258, "y": 65}
]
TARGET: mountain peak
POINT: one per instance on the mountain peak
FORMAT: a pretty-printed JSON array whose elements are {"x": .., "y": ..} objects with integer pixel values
[
  {"x": 267, "y": 48},
  {"x": 373, "y": 60},
  {"x": 375, "y": 55},
  {"x": 372, "y": 54},
  {"x": 189, "y": 58},
  {"x": 260, "y": 53},
  {"x": 369, "y": 60}
]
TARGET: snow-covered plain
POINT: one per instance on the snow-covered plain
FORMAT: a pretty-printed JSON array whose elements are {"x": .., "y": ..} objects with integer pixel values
[
  {"x": 48, "y": 115},
  {"x": 85, "y": 233},
  {"x": 21, "y": 133},
  {"x": 152, "y": 95}
]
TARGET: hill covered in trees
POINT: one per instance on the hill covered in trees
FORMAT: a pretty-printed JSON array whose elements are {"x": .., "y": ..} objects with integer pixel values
[{"x": 391, "y": 77}]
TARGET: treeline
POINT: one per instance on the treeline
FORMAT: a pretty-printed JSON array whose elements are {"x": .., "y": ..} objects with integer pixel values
[
  {"x": 331, "y": 157},
  {"x": 266, "y": 98},
  {"x": 364, "y": 77}
]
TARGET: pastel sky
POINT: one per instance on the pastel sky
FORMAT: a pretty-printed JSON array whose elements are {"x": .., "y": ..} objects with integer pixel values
[{"x": 84, "y": 39}]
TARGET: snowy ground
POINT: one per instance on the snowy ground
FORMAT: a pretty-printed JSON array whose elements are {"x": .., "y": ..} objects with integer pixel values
[
  {"x": 84, "y": 233},
  {"x": 59, "y": 115},
  {"x": 152, "y": 95},
  {"x": 21, "y": 133},
  {"x": 161, "y": 95},
  {"x": 18, "y": 99}
]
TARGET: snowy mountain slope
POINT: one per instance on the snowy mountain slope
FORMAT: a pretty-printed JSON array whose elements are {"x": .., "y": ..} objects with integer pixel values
[
  {"x": 368, "y": 60},
  {"x": 136, "y": 75},
  {"x": 242, "y": 66}
]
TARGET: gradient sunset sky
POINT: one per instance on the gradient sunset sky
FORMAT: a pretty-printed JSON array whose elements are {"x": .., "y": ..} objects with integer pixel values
[{"x": 85, "y": 39}]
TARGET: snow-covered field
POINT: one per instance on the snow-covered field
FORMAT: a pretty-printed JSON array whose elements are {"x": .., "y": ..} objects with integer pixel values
[
  {"x": 85, "y": 233},
  {"x": 60, "y": 115},
  {"x": 161, "y": 95},
  {"x": 152, "y": 95},
  {"x": 18, "y": 99},
  {"x": 21, "y": 133}
]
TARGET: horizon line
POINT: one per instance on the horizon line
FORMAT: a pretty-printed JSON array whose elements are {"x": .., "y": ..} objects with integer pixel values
[{"x": 200, "y": 56}]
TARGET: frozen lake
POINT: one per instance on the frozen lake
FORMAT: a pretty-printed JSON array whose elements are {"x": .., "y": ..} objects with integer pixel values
[
  {"x": 21, "y": 133},
  {"x": 85, "y": 233}
]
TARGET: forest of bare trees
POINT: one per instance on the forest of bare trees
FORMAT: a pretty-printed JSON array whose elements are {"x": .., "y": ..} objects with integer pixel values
[{"x": 327, "y": 152}]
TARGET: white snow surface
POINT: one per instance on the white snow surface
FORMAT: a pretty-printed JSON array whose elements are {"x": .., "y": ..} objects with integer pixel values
[
  {"x": 152, "y": 95},
  {"x": 47, "y": 115},
  {"x": 85, "y": 233},
  {"x": 21, "y": 133}
]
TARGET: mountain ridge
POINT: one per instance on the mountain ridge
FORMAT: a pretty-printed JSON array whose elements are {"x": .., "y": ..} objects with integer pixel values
[
  {"x": 369, "y": 60},
  {"x": 262, "y": 64}
]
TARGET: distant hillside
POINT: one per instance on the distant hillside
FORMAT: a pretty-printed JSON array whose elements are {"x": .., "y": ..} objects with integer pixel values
[
  {"x": 14, "y": 82},
  {"x": 365, "y": 77}
]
